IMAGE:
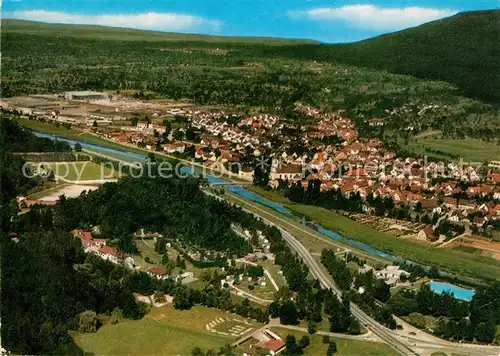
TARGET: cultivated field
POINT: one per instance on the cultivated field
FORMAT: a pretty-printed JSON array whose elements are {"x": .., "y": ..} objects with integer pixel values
[
  {"x": 471, "y": 150},
  {"x": 477, "y": 246}
]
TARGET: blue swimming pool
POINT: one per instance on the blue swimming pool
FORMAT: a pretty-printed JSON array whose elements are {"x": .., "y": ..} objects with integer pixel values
[
  {"x": 438, "y": 287},
  {"x": 458, "y": 292}
]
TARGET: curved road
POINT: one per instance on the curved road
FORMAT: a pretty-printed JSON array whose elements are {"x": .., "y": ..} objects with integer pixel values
[{"x": 402, "y": 344}]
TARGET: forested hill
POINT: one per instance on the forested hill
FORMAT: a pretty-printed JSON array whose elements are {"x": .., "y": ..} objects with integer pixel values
[
  {"x": 462, "y": 49},
  {"x": 129, "y": 34}
]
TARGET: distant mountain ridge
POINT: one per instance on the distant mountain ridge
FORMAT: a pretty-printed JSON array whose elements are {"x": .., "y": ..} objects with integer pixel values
[
  {"x": 463, "y": 50},
  {"x": 130, "y": 34}
]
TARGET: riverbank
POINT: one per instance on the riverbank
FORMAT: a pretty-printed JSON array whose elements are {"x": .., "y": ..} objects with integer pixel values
[
  {"x": 125, "y": 149},
  {"x": 356, "y": 237},
  {"x": 454, "y": 261}
]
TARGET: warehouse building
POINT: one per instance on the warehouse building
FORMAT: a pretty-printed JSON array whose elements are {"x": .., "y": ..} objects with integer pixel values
[{"x": 85, "y": 95}]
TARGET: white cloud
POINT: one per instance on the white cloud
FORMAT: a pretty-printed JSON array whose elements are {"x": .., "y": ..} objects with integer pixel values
[
  {"x": 166, "y": 21},
  {"x": 369, "y": 17}
]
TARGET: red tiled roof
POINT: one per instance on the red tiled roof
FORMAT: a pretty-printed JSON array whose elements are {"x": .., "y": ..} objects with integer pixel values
[
  {"x": 159, "y": 270},
  {"x": 107, "y": 250},
  {"x": 275, "y": 345},
  {"x": 428, "y": 231}
]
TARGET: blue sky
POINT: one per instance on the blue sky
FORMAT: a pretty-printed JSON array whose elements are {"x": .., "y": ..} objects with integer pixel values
[{"x": 323, "y": 20}]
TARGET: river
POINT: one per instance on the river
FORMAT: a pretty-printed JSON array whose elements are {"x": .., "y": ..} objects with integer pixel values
[{"x": 241, "y": 191}]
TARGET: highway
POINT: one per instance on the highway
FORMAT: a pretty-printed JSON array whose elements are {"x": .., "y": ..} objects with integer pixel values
[{"x": 402, "y": 344}]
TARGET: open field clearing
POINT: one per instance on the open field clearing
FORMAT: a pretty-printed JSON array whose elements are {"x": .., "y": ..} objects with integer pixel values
[
  {"x": 82, "y": 171},
  {"x": 451, "y": 260},
  {"x": 265, "y": 292},
  {"x": 68, "y": 190},
  {"x": 274, "y": 270},
  {"x": 471, "y": 150},
  {"x": 47, "y": 190},
  {"x": 165, "y": 331},
  {"x": 477, "y": 246},
  {"x": 345, "y": 347},
  {"x": 117, "y": 156}
]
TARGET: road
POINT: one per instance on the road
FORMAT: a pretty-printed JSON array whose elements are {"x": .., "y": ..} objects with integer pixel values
[
  {"x": 403, "y": 344},
  {"x": 421, "y": 343}
]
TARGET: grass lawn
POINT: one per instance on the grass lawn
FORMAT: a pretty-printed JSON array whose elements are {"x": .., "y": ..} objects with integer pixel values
[
  {"x": 469, "y": 150},
  {"x": 75, "y": 171},
  {"x": 467, "y": 249},
  {"x": 147, "y": 249},
  {"x": 314, "y": 241},
  {"x": 165, "y": 331},
  {"x": 446, "y": 259},
  {"x": 273, "y": 270},
  {"x": 109, "y": 154},
  {"x": 478, "y": 267},
  {"x": 264, "y": 292},
  {"x": 47, "y": 189},
  {"x": 345, "y": 347}
]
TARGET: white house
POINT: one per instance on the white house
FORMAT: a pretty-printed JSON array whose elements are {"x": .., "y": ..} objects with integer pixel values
[
  {"x": 109, "y": 253},
  {"x": 391, "y": 274}
]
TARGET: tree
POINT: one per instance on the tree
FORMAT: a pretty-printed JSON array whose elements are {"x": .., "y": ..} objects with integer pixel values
[
  {"x": 304, "y": 341},
  {"x": 433, "y": 272},
  {"x": 288, "y": 313},
  {"x": 311, "y": 327},
  {"x": 197, "y": 352},
  {"x": 418, "y": 320},
  {"x": 88, "y": 322},
  {"x": 291, "y": 342},
  {"x": 78, "y": 147},
  {"x": 326, "y": 339},
  {"x": 382, "y": 291},
  {"x": 332, "y": 348},
  {"x": 261, "y": 174},
  {"x": 116, "y": 316}
]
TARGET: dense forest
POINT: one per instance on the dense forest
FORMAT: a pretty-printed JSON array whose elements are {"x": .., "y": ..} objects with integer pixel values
[
  {"x": 18, "y": 139},
  {"x": 445, "y": 50}
]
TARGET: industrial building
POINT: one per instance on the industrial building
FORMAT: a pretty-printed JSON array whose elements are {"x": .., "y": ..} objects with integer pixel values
[{"x": 85, "y": 95}]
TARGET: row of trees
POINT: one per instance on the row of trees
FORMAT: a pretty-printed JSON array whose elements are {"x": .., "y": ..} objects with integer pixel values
[{"x": 362, "y": 289}]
